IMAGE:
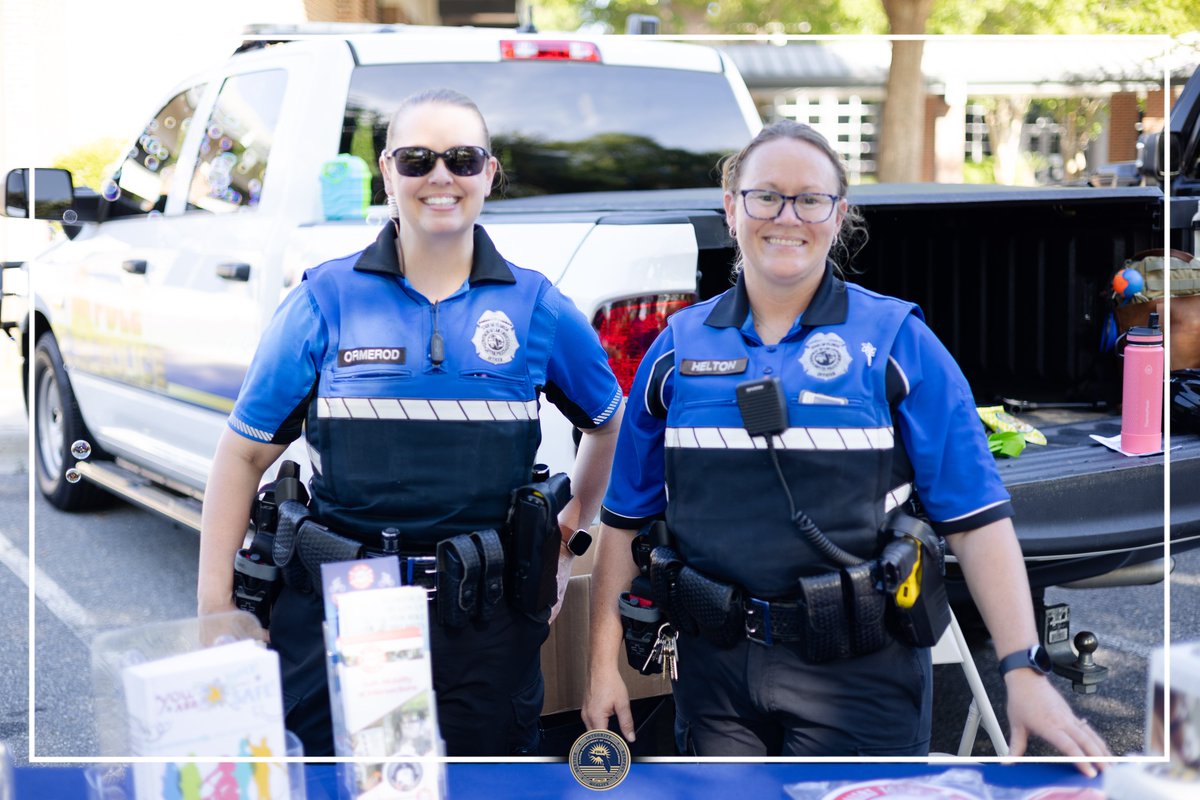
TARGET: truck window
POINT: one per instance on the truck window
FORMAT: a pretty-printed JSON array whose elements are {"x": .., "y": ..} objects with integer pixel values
[
  {"x": 237, "y": 139},
  {"x": 562, "y": 126},
  {"x": 143, "y": 180}
]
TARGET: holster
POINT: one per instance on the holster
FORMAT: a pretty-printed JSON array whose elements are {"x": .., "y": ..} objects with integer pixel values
[
  {"x": 291, "y": 515},
  {"x": 534, "y": 543},
  {"x": 665, "y": 566},
  {"x": 716, "y": 607},
  {"x": 923, "y": 624}
]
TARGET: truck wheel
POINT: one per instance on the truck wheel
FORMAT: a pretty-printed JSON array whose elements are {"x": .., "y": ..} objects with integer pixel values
[{"x": 57, "y": 423}]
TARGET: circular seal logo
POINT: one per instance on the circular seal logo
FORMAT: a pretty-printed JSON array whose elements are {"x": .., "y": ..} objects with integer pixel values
[
  {"x": 599, "y": 760},
  {"x": 825, "y": 356},
  {"x": 495, "y": 338}
]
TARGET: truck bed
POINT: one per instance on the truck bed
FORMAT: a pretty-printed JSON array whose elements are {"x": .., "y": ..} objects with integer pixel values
[{"x": 1078, "y": 502}]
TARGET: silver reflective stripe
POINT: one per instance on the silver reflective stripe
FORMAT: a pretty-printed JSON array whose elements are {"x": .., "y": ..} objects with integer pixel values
[
  {"x": 416, "y": 409},
  {"x": 608, "y": 411},
  {"x": 897, "y": 496},
  {"x": 246, "y": 430},
  {"x": 314, "y": 457},
  {"x": 791, "y": 439}
]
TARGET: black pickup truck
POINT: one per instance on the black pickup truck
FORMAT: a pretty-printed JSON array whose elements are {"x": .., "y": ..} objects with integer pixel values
[{"x": 1017, "y": 283}]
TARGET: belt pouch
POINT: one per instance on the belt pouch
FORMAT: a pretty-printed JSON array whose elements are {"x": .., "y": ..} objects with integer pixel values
[
  {"x": 640, "y": 624},
  {"x": 826, "y": 626},
  {"x": 317, "y": 545},
  {"x": 292, "y": 514},
  {"x": 716, "y": 607},
  {"x": 867, "y": 608},
  {"x": 458, "y": 580},
  {"x": 491, "y": 556},
  {"x": 665, "y": 565}
]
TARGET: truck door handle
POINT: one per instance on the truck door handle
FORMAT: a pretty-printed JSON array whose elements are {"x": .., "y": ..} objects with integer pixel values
[
  {"x": 235, "y": 271},
  {"x": 136, "y": 266}
]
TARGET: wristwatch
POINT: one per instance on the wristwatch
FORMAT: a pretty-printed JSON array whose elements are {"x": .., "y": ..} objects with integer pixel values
[
  {"x": 577, "y": 542},
  {"x": 1036, "y": 658}
]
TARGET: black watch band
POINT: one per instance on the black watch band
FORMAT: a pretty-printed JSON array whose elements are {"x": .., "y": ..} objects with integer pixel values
[
  {"x": 1036, "y": 658},
  {"x": 578, "y": 542}
]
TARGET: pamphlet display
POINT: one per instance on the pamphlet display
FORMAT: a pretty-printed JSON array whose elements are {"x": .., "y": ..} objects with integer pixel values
[
  {"x": 219, "y": 701},
  {"x": 380, "y": 680}
]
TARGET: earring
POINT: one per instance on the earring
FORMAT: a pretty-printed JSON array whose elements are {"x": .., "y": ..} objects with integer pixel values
[{"x": 393, "y": 209}]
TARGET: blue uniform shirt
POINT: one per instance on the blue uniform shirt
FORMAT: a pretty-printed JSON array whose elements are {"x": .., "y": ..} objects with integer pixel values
[
  {"x": 851, "y": 358},
  {"x": 401, "y": 435}
]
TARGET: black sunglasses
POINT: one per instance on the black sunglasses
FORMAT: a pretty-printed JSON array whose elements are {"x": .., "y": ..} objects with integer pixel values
[{"x": 465, "y": 161}]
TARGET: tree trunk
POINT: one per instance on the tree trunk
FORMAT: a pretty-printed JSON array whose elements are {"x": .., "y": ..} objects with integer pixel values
[
  {"x": 1004, "y": 120},
  {"x": 902, "y": 141}
]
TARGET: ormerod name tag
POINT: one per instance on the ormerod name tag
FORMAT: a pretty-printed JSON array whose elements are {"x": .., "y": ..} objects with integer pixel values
[
  {"x": 712, "y": 366},
  {"x": 371, "y": 355}
]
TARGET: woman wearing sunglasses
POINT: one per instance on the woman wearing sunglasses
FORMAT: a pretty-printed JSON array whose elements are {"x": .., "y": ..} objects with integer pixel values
[
  {"x": 791, "y": 655},
  {"x": 413, "y": 369}
]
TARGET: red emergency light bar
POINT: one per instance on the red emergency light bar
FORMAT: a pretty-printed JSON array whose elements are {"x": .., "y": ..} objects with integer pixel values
[{"x": 547, "y": 50}]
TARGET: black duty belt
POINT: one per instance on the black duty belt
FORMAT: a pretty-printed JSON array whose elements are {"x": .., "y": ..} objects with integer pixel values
[{"x": 769, "y": 622}]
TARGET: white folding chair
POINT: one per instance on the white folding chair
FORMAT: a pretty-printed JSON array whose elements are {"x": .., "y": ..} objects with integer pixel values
[{"x": 952, "y": 649}]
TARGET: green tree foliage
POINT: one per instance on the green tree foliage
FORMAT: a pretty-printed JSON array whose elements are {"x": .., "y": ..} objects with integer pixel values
[
  {"x": 866, "y": 16},
  {"x": 91, "y": 163},
  {"x": 1064, "y": 16},
  {"x": 718, "y": 16}
]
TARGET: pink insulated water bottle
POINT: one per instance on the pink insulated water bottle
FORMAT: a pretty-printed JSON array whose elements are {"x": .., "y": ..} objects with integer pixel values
[{"x": 1142, "y": 390}]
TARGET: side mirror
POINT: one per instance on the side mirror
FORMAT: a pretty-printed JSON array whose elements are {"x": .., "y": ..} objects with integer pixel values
[
  {"x": 1152, "y": 161},
  {"x": 54, "y": 193}
]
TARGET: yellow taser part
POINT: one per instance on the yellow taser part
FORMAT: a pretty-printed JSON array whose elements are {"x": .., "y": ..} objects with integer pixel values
[{"x": 907, "y": 592}]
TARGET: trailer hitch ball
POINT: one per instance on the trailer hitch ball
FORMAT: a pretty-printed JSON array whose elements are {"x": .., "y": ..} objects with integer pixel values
[{"x": 1084, "y": 673}]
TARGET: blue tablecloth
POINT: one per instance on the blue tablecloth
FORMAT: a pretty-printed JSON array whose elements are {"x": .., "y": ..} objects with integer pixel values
[{"x": 523, "y": 781}]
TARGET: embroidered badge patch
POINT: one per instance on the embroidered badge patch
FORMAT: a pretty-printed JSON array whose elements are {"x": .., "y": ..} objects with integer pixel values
[
  {"x": 495, "y": 338},
  {"x": 825, "y": 356}
]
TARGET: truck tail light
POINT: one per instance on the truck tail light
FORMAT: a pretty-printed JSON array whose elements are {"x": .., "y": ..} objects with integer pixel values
[
  {"x": 627, "y": 328},
  {"x": 547, "y": 50}
]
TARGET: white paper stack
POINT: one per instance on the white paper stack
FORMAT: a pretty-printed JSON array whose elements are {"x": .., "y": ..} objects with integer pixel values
[
  {"x": 219, "y": 701},
  {"x": 381, "y": 684}
]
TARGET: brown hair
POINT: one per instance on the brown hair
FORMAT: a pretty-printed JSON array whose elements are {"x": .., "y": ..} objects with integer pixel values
[{"x": 852, "y": 235}]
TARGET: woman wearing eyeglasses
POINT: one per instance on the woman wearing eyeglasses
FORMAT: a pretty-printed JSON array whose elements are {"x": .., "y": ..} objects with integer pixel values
[
  {"x": 414, "y": 369},
  {"x": 782, "y": 648}
]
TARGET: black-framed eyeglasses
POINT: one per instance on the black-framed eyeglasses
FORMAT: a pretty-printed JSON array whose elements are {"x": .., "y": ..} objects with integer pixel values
[
  {"x": 464, "y": 161},
  {"x": 811, "y": 207}
]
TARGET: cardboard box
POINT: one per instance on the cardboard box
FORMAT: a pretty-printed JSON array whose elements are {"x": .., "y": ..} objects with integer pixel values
[{"x": 565, "y": 653}]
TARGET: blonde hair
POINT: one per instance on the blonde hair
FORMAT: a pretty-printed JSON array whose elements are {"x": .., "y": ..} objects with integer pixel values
[
  {"x": 851, "y": 237},
  {"x": 446, "y": 97}
]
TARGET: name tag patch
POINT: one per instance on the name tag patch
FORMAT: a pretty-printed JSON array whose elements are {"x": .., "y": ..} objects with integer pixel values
[
  {"x": 730, "y": 366},
  {"x": 370, "y": 355}
]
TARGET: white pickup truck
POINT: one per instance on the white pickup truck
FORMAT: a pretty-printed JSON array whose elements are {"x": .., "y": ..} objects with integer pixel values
[{"x": 148, "y": 310}]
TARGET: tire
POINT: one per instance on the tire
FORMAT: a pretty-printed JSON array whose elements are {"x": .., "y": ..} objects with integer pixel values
[{"x": 57, "y": 423}]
